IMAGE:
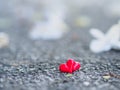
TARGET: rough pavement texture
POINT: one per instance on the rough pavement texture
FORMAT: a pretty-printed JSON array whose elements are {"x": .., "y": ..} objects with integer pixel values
[{"x": 33, "y": 65}]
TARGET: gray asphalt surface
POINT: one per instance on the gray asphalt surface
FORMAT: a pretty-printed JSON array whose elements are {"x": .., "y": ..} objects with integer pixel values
[{"x": 33, "y": 65}]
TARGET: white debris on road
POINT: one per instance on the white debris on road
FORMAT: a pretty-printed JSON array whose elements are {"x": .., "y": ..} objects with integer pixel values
[
  {"x": 105, "y": 42},
  {"x": 4, "y": 40}
]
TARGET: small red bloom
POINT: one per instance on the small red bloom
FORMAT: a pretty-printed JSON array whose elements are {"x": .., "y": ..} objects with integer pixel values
[{"x": 70, "y": 66}]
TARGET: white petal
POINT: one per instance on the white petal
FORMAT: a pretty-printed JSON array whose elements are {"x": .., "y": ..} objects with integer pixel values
[
  {"x": 96, "y": 33},
  {"x": 114, "y": 33},
  {"x": 97, "y": 46}
]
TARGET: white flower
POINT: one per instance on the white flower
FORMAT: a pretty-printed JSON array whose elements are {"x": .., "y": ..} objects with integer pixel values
[
  {"x": 47, "y": 31},
  {"x": 4, "y": 40},
  {"x": 105, "y": 42}
]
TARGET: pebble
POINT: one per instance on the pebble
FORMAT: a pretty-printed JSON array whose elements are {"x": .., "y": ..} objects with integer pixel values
[{"x": 86, "y": 83}]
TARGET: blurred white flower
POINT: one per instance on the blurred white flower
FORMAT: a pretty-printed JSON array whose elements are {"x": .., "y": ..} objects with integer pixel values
[
  {"x": 105, "y": 42},
  {"x": 47, "y": 31},
  {"x": 4, "y": 40}
]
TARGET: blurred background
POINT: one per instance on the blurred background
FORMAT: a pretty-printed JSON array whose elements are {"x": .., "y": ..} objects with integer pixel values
[
  {"x": 76, "y": 12},
  {"x": 21, "y": 18}
]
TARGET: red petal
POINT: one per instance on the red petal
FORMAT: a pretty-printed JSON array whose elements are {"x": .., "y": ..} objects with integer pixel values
[
  {"x": 70, "y": 64},
  {"x": 76, "y": 66},
  {"x": 63, "y": 68}
]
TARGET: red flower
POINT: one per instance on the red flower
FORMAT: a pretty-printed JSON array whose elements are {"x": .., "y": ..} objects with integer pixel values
[{"x": 70, "y": 66}]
